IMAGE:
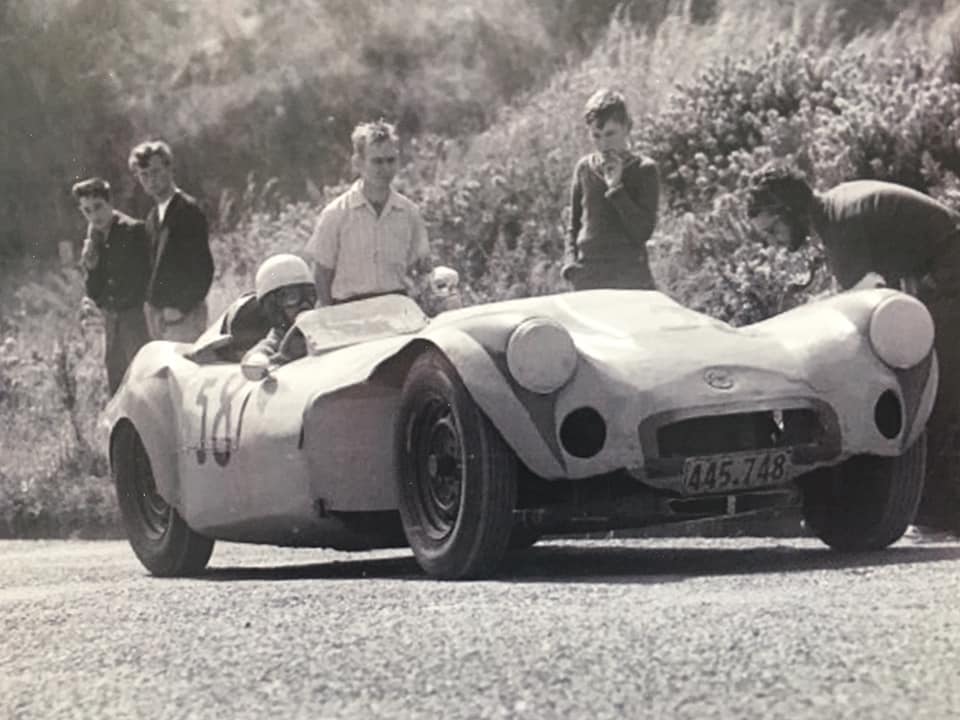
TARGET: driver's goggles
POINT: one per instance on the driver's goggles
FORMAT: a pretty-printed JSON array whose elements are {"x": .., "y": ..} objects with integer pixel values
[{"x": 296, "y": 295}]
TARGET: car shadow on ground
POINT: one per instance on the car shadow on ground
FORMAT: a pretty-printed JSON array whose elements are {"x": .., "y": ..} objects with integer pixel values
[{"x": 598, "y": 561}]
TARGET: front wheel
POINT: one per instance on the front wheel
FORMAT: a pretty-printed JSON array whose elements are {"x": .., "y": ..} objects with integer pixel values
[
  {"x": 160, "y": 538},
  {"x": 867, "y": 502},
  {"x": 457, "y": 476}
]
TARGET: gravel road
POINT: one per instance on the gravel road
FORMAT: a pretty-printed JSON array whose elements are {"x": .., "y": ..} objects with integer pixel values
[{"x": 653, "y": 628}]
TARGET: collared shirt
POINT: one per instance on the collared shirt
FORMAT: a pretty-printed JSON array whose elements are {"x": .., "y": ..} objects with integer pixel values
[
  {"x": 368, "y": 253},
  {"x": 162, "y": 206}
]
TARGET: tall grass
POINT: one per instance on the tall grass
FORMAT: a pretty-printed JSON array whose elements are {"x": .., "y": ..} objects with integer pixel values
[{"x": 496, "y": 203}]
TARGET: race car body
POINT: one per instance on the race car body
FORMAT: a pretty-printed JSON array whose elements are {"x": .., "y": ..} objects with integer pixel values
[{"x": 581, "y": 411}]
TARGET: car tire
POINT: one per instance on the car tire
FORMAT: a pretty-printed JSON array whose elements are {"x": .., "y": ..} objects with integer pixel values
[
  {"x": 457, "y": 477},
  {"x": 160, "y": 538},
  {"x": 867, "y": 502}
]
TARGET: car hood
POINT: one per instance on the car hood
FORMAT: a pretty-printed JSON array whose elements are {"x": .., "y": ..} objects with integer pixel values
[{"x": 645, "y": 338}]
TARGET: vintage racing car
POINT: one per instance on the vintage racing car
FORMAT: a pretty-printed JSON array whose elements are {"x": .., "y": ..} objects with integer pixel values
[{"x": 493, "y": 425}]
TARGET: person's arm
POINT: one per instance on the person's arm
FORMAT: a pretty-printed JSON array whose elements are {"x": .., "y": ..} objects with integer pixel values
[
  {"x": 636, "y": 198},
  {"x": 321, "y": 251},
  {"x": 420, "y": 261},
  {"x": 323, "y": 276},
  {"x": 200, "y": 277},
  {"x": 576, "y": 210},
  {"x": 870, "y": 281},
  {"x": 95, "y": 276}
]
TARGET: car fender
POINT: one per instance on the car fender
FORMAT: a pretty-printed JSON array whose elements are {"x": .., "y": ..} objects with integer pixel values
[
  {"x": 534, "y": 442},
  {"x": 149, "y": 408}
]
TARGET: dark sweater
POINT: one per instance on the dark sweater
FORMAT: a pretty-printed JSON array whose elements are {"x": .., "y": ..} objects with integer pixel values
[
  {"x": 871, "y": 226},
  {"x": 119, "y": 280},
  {"x": 612, "y": 225}
]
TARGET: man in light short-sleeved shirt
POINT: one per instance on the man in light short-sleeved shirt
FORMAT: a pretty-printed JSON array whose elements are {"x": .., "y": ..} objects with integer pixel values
[{"x": 371, "y": 239}]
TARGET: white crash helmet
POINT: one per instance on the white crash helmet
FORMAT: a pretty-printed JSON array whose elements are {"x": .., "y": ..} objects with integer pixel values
[{"x": 280, "y": 271}]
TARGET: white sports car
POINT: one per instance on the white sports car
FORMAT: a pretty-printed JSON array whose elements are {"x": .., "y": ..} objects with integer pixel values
[{"x": 490, "y": 426}]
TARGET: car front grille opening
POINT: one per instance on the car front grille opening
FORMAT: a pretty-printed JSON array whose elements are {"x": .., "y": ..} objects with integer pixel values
[{"x": 738, "y": 432}]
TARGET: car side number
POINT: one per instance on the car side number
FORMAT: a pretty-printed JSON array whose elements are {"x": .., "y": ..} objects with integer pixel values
[{"x": 221, "y": 441}]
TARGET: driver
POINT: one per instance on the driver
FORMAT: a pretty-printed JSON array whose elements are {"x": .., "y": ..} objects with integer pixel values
[{"x": 285, "y": 288}]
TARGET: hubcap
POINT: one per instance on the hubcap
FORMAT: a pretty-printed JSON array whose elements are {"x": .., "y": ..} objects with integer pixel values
[
  {"x": 154, "y": 510},
  {"x": 439, "y": 467}
]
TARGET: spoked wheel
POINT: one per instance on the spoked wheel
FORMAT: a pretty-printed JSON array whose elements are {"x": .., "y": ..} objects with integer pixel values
[
  {"x": 457, "y": 475},
  {"x": 867, "y": 502},
  {"x": 158, "y": 535}
]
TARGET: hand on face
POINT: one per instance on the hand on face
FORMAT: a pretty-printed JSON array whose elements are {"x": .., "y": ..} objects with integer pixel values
[
  {"x": 612, "y": 168},
  {"x": 774, "y": 228},
  {"x": 89, "y": 256},
  {"x": 97, "y": 211}
]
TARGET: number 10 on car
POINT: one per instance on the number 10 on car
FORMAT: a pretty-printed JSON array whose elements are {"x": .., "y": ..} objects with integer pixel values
[{"x": 719, "y": 473}]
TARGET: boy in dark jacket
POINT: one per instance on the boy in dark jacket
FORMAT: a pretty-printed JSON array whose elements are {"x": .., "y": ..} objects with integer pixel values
[
  {"x": 181, "y": 269},
  {"x": 613, "y": 204},
  {"x": 116, "y": 260}
]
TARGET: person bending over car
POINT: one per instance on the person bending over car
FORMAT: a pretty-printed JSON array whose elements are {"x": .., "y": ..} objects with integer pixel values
[
  {"x": 879, "y": 234},
  {"x": 284, "y": 286}
]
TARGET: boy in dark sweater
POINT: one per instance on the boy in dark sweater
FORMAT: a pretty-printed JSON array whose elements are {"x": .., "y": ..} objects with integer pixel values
[
  {"x": 116, "y": 259},
  {"x": 613, "y": 204}
]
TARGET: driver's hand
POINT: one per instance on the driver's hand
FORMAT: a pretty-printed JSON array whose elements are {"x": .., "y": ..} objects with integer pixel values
[{"x": 172, "y": 315}]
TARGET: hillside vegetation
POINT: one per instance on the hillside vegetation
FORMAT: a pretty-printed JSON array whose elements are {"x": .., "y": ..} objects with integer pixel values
[{"x": 838, "y": 89}]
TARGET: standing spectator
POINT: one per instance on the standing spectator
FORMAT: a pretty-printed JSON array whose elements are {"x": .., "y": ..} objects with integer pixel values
[
  {"x": 116, "y": 259},
  {"x": 613, "y": 204},
  {"x": 875, "y": 234},
  {"x": 181, "y": 263},
  {"x": 369, "y": 240}
]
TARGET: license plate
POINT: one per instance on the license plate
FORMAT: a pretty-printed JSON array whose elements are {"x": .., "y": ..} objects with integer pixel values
[{"x": 735, "y": 472}]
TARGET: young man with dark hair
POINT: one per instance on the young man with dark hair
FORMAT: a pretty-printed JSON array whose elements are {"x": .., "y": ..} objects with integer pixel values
[
  {"x": 181, "y": 262},
  {"x": 369, "y": 240},
  {"x": 879, "y": 234},
  {"x": 116, "y": 261},
  {"x": 613, "y": 204}
]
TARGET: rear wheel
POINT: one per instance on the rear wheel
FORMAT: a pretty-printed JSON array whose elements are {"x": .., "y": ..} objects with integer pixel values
[
  {"x": 158, "y": 535},
  {"x": 457, "y": 475},
  {"x": 867, "y": 502}
]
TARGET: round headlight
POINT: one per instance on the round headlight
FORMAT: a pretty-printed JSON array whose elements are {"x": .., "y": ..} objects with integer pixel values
[
  {"x": 901, "y": 331},
  {"x": 541, "y": 355}
]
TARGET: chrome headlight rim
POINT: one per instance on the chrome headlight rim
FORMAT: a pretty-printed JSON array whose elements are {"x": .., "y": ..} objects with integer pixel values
[{"x": 541, "y": 355}]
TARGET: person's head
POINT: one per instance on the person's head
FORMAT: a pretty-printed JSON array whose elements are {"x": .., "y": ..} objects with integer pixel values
[
  {"x": 779, "y": 205},
  {"x": 607, "y": 120},
  {"x": 376, "y": 153},
  {"x": 152, "y": 164},
  {"x": 285, "y": 288},
  {"x": 93, "y": 199}
]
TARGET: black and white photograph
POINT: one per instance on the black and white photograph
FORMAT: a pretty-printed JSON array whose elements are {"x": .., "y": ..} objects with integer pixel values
[{"x": 508, "y": 359}]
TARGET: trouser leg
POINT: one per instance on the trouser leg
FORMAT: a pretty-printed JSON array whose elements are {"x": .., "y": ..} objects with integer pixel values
[
  {"x": 126, "y": 333},
  {"x": 611, "y": 276},
  {"x": 940, "y": 504}
]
